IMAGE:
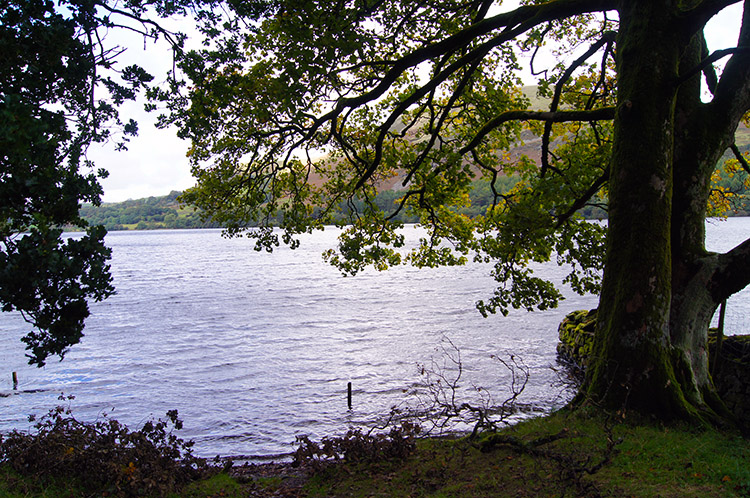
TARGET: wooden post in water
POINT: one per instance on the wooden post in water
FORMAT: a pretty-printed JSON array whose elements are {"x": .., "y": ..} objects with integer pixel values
[
  {"x": 15, "y": 381},
  {"x": 349, "y": 394}
]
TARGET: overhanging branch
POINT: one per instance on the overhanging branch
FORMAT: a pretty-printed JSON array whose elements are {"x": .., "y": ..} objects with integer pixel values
[
  {"x": 732, "y": 273},
  {"x": 705, "y": 10},
  {"x": 514, "y": 24},
  {"x": 608, "y": 39},
  {"x": 601, "y": 114}
]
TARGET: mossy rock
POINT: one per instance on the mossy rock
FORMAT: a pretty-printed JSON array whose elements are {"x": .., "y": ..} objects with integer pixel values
[
  {"x": 576, "y": 333},
  {"x": 731, "y": 374}
]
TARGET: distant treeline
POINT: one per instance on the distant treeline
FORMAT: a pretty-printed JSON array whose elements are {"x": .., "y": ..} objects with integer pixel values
[
  {"x": 166, "y": 212},
  {"x": 145, "y": 214}
]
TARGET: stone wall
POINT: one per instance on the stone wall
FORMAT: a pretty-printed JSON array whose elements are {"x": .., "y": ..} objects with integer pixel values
[{"x": 731, "y": 372}]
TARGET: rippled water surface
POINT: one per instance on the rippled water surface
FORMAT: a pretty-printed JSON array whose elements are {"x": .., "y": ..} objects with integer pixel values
[{"x": 255, "y": 348}]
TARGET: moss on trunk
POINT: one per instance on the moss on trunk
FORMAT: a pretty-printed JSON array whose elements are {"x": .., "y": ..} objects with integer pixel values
[{"x": 634, "y": 363}]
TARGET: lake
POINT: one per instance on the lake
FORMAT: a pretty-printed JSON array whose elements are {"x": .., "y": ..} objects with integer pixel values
[{"x": 253, "y": 348}]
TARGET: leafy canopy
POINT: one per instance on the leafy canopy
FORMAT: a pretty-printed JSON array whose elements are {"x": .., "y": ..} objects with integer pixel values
[
  {"x": 303, "y": 112},
  {"x": 60, "y": 88},
  {"x": 299, "y": 113}
]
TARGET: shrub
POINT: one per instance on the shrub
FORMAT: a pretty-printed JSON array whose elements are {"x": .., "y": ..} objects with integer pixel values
[
  {"x": 357, "y": 446},
  {"x": 104, "y": 457}
]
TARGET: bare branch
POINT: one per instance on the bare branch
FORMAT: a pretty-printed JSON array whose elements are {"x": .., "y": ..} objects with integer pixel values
[{"x": 536, "y": 52}]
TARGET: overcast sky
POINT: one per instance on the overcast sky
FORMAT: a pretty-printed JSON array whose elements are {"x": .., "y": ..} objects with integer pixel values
[{"x": 155, "y": 161}]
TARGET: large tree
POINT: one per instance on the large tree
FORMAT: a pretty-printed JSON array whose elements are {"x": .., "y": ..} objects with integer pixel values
[
  {"x": 300, "y": 111},
  {"x": 60, "y": 90}
]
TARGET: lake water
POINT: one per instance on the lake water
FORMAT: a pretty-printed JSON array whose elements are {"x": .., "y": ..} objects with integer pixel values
[{"x": 255, "y": 348}]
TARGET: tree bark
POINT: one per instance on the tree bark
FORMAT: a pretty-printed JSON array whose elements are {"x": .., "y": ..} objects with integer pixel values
[
  {"x": 661, "y": 287},
  {"x": 633, "y": 364}
]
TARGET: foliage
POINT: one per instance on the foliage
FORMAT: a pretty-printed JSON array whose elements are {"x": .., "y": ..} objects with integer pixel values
[
  {"x": 729, "y": 186},
  {"x": 60, "y": 92},
  {"x": 49, "y": 280},
  {"x": 104, "y": 457},
  {"x": 358, "y": 446},
  {"x": 666, "y": 460},
  {"x": 262, "y": 120},
  {"x": 46, "y": 125},
  {"x": 47, "y": 78}
]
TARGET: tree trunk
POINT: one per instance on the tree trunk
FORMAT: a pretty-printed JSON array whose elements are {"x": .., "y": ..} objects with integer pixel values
[
  {"x": 634, "y": 365},
  {"x": 661, "y": 287},
  {"x": 697, "y": 150}
]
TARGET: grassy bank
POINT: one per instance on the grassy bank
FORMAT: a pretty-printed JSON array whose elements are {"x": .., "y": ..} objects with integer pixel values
[
  {"x": 562, "y": 455},
  {"x": 578, "y": 454}
]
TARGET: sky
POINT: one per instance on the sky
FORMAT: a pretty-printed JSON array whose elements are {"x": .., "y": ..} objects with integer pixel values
[{"x": 156, "y": 163}]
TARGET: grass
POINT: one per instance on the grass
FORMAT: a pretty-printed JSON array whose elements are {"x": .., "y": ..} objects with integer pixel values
[
  {"x": 650, "y": 460},
  {"x": 567, "y": 454},
  {"x": 14, "y": 485}
]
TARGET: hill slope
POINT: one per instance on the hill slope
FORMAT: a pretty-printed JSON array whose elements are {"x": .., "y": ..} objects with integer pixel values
[{"x": 145, "y": 214}]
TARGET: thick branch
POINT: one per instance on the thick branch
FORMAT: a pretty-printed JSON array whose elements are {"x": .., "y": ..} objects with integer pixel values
[
  {"x": 604, "y": 113},
  {"x": 732, "y": 97},
  {"x": 719, "y": 54},
  {"x": 705, "y": 10},
  {"x": 484, "y": 7},
  {"x": 732, "y": 274}
]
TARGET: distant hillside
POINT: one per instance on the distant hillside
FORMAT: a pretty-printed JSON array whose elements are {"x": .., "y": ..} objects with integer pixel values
[
  {"x": 145, "y": 214},
  {"x": 165, "y": 212}
]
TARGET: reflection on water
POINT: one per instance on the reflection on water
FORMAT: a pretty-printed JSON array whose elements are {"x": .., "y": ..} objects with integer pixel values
[{"x": 255, "y": 348}]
